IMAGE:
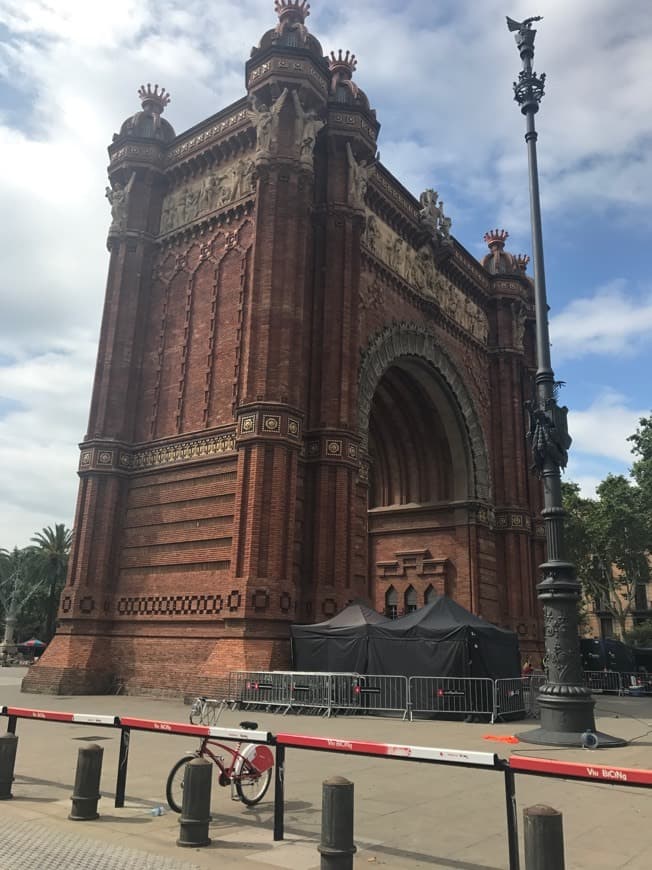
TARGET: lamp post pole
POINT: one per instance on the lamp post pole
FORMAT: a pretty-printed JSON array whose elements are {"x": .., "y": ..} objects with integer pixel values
[{"x": 565, "y": 701}]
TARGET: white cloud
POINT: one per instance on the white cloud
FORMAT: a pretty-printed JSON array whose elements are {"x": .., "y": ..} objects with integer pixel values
[
  {"x": 602, "y": 429},
  {"x": 611, "y": 321}
]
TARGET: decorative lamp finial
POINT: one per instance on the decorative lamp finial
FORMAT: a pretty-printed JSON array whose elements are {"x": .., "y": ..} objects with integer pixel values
[
  {"x": 157, "y": 99},
  {"x": 521, "y": 261},
  {"x": 292, "y": 10},
  {"x": 496, "y": 239}
]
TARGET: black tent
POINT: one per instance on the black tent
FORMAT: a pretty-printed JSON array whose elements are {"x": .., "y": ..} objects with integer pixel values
[
  {"x": 607, "y": 654},
  {"x": 443, "y": 639},
  {"x": 337, "y": 645}
]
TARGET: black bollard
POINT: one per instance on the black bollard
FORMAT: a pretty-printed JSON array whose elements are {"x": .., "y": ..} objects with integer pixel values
[
  {"x": 544, "y": 838},
  {"x": 87, "y": 783},
  {"x": 8, "y": 746},
  {"x": 196, "y": 804},
  {"x": 336, "y": 847}
]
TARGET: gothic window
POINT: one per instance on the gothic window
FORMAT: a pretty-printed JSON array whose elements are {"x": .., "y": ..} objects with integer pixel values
[
  {"x": 431, "y": 595},
  {"x": 410, "y": 600},
  {"x": 391, "y": 603}
]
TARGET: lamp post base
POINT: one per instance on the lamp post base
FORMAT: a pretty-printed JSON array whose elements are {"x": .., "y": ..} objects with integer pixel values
[{"x": 565, "y": 721}]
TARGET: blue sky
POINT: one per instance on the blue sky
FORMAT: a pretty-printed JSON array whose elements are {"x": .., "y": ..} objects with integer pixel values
[{"x": 440, "y": 77}]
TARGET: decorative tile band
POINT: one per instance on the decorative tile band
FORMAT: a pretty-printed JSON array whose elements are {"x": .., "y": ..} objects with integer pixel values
[{"x": 111, "y": 457}]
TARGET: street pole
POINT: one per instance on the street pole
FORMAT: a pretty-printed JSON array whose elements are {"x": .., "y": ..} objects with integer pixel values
[{"x": 565, "y": 701}]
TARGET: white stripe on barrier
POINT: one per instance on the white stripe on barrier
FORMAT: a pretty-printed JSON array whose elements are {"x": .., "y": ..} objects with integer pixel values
[
  {"x": 91, "y": 719},
  {"x": 239, "y": 734},
  {"x": 392, "y": 750}
]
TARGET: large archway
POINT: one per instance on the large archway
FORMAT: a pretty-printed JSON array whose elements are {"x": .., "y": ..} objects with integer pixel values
[{"x": 427, "y": 462}]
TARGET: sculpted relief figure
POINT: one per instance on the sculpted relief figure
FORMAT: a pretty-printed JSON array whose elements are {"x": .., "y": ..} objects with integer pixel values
[
  {"x": 358, "y": 179},
  {"x": 519, "y": 316},
  {"x": 118, "y": 196},
  {"x": 307, "y": 126},
  {"x": 372, "y": 232},
  {"x": 265, "y": 120},
  {"x": 432, "y": 216}
]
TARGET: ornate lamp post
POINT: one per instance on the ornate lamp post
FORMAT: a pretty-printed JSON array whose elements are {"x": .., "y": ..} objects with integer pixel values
[{"x": 565, "y": 701}]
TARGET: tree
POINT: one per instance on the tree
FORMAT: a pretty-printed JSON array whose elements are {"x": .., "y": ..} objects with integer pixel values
[
  {"x": 642, "y": 467},
  {"x": 18, "y": 587},
  {"x": 50, "y": 554},
  {"x": 608, "y": 539},
  {"x": 640, "y": 635}
]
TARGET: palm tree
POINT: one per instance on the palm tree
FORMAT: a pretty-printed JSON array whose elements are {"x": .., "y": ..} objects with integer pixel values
[{"x": 51, "y": 555}]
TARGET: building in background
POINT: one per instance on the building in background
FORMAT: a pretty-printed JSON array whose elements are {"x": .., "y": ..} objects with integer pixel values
[{"x": 307, "y": 392}]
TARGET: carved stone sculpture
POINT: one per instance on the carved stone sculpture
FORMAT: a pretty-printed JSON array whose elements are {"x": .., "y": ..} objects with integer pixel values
[
  {"x": 358, "y": 179},
  {"x": 432, "y": 216},
  {"x": 519, "y": 317},
  {"x": 307, "y": 126},
  {"x": 265, "y": 120},
  {"x": 118, "y": 196}
]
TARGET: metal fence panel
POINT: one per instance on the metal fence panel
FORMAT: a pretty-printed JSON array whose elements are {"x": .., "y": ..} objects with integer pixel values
[
  {"x": 310, "y": 692},
  {"x": 511, "y": 696},
  {"x": 603, "y": 681},
  {"x": 466, "y": 695},
  {"x": 636, "y": 683},
  {"x": 260, "y": 689},
  {"x": 532, "y": 703},
  {"x": 369, "y": 693}
]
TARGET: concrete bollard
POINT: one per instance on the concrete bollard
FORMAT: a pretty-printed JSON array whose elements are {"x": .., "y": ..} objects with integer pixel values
[
  {"x": 196, "y": 804},
  {"x": 8, "y": 747},
  {"x": 544, "y": 838},
  {"x": 336, "y": 847},
  {"x": 87, "y": 783}
]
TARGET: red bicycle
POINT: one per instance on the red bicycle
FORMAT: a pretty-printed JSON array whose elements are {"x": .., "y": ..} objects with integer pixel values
[{"x": 247, "y": 768}]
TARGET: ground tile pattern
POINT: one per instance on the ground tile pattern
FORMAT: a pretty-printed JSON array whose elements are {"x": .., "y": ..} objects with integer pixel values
[{"x": 32, "y": 847}]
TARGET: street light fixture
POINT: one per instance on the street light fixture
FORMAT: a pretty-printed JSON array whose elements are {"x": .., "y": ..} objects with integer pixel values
[{"x": 565, "y": 701}]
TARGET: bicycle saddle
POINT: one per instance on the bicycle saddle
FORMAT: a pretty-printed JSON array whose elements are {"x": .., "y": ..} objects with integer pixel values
[{"x": 250, "y": 726}]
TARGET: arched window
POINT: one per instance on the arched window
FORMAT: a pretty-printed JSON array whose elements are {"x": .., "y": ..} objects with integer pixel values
[
  {"x": 410, "y": 600},
  {"x": 391, "y": 603},
  {"x": 431, "y": 595}
]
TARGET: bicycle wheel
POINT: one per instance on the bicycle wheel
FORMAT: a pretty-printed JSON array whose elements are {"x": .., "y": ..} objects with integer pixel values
[
  {"x": 253, "y": 774},
  {"x": 251, "y": 785},
  {"x": 174, "y": 784}
]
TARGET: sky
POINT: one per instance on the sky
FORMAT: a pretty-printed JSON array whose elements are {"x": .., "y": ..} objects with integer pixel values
[{"x": 439, "y": 75}]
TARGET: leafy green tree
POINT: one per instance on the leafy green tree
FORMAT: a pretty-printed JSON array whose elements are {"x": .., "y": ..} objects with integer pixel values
[
  {"x": 640, "y": 635},
  {"x": 50, "y": 554},
  {"x": 608, "y": 539},
  {"x": 642, "y": 467}
]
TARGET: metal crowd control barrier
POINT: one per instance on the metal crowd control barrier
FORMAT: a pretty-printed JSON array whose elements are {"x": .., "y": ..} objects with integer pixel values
[
  {"x": 603, "y": 681},
  {"x": 470, "y": 696},
  {"x": 532, "y": 692},
  {"x": 511, "y": 697},
  {"x": 310, "y": 692},
  {"x": 636, "y": 683},
  {"x": 370, "y": 693},
  {"x": 261, "y": 689}
]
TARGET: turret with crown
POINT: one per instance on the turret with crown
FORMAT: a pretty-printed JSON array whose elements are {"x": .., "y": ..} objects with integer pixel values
[
  {"x": 499, "y": 261},
  {"x": 148, "y": 124}
]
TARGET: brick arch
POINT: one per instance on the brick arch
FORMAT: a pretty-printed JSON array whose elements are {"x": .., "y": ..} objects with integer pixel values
[{"x": 405, "y": 340}]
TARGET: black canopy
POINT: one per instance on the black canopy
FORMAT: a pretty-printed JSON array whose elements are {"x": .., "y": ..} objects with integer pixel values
[
  {"x": 337, "y": 645},
  {"x": 443, "y": 639},
  {"x": 607, "y": 653}
]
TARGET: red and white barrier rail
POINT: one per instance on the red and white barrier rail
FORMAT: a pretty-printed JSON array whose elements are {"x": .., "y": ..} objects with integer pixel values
[
  {"x": 589, "y": 772},
  {"x": 389, "y": 750},
  {"x": 195, "y": 730},
  {"x": 57, "y": 716}
]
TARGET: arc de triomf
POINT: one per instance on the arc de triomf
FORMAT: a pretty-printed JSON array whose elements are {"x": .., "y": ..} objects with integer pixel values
[{"x": 307, "y": 392}]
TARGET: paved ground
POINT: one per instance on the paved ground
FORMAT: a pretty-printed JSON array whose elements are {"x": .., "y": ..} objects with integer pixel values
[{"x": 407, "y": 815}]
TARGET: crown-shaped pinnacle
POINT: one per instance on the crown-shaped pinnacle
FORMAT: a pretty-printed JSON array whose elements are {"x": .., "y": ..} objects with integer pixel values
[
  {"x": 496, "y": 238},
  {"x": 298, "y": 10},
  {"x": 158, "y": 98},
  {"x": 343, "y": 63},
  {"x": 521, "y": 261}
]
